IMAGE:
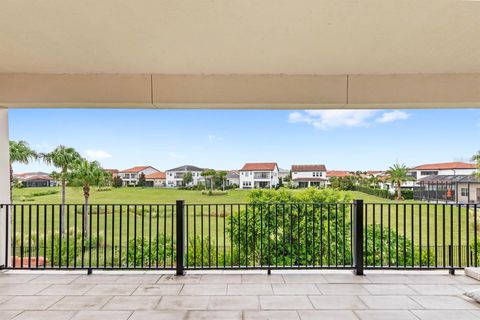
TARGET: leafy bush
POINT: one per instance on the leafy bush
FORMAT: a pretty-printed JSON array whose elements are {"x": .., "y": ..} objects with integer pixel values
[
  {"x": 299, "y": 233},
  {"x": 209, "y": 253},
  {"x": 382, "y": 193},
  {"x": 214, "y": 193},
  {"x": 406, "y": 194},
  {"x": 143, "y": 253},
  {"x": 381, "y": 249}
]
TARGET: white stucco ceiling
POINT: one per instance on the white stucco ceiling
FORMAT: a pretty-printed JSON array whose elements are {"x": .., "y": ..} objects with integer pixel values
[{"x": 239, "y": 36}]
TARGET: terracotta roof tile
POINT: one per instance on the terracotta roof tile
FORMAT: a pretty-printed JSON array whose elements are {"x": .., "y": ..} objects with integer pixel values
[
  {"x": 445, "y": 166},
  {"x": 134, "y": 169},
  {"x": 156, "y": 175},
  {"x": 338, "y": 173},
  {"x": 270, "y": 166}
]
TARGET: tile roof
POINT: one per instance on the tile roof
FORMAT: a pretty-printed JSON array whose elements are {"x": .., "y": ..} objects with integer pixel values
[
  {"x": 338, "y": 173},
  {"x": 270, "y": 166},
  {"x": 135, "y": 169},
  {"x": 445, "y": 166},
  {"x": 187, "y": 167},
  {"x": 156, "y": 175},
  {"x": 308, "y": 167}
]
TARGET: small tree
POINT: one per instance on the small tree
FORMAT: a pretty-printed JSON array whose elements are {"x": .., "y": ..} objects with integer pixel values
[
  {"x": 187, "y": 178},
  {"x": 398, "y": 174},
  {"x": 86, "y": 174},
  {"x": 141, "y": 180},
  {"x": 221, "y": 176},
  {"x": 63, "y": 158},
  {"x": 476, "y": 158},
  {"x": 117, "y": 182},
  {"x": 20, "y": 152},
  {"x": 209, "y": 174}
]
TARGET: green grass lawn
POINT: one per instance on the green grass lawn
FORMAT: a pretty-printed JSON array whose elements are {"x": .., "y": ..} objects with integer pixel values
[{"x": 208, "y": 217}]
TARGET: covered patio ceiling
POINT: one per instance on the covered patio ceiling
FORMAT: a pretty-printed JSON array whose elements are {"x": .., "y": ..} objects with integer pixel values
[{"x": 239, "y": 54}]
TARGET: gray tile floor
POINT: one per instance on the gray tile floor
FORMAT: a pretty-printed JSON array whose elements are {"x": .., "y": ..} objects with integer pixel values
[{"x": 292, "y": 295}]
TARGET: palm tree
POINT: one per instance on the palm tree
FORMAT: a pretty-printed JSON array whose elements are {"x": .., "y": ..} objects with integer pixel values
[
  {"x": 223, "y": 176},
  {"x": 63, "y": 158},
  {"x": 86, "y": 174},
  {"x": 476, "y": 158},
  {"x": 398, "y": 173},
  {"x": 373, "y": 181},
  {"x": 209, "y": 173},
  {"x": 20, "y": 152}
]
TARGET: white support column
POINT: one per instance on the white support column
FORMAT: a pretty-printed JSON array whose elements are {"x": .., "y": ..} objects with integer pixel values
[{"x": 4, "y": 180}]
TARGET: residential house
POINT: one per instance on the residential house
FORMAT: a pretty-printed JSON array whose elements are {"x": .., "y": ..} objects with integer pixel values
[
  {"x": 35, "y": 179},
  {"x": 432, "y": 169},
  {"x": 130, "y": 176},
  {"x": 233, "y": 178},
  {"x": 448, "y": 188},
  {"x": 259, "y": 175},
  {"x": 337, "y": 174},
  {"x": 113, "y": 172},
  {"x": 156, "y": 180},
  {"x": 443, "y": 169},
  {"x": 174, "y": 177},
  {"x": 283, "y": 173},
  {"x": 309, "y": 175}
]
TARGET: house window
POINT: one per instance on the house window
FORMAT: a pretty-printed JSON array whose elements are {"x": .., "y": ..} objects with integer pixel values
[
  {"x": 464, "y": 192},
  {"x": 428, "y": 173},
  {"x": 247, "y": 184}
]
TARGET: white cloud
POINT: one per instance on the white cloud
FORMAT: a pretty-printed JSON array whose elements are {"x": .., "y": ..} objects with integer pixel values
[
  {"x": 329, "y": 119},
  {"x": 393, "y": 116},
  {"x": 176, "y": 155},
  {"x": 97, "y": 155},
  {"x": 212, "y": 137}
]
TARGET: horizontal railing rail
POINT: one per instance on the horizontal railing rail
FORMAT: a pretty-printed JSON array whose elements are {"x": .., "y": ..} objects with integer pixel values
[{"x": 180, "y": 236}]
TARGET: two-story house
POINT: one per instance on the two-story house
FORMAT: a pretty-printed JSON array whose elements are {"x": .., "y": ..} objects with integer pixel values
[
  {"x": 130, "y": 176},
  {"x": 174, "y": 177},
  {"x": 259, "y": 176},
  {"x": 309, "y": 175}
]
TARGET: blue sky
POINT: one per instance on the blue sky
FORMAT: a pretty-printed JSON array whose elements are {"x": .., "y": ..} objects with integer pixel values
[{"x": 225, "y": 139}]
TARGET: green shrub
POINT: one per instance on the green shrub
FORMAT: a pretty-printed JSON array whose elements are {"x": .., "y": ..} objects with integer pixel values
[
  {"x": 302, "y": 232},
  {"x": 143, "y": 253},
  {"x": 381, "y": 193}
]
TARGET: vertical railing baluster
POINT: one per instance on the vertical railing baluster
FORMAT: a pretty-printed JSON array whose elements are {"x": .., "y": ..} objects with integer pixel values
[
  {"x": 180, "y": 229},
  {"x": 358, "y": 216}
]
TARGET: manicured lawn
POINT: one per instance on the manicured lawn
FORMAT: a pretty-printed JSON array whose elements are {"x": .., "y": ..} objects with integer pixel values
[
  {"x": 208, "y": 217},
  {"x": 128, "y": 196}
]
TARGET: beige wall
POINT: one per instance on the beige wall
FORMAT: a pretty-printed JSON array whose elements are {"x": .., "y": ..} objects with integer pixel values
[
  {"x": 274, "y": 91},
  {"x": 473, "y": 192},
  {"x": 4, "y": 179}
]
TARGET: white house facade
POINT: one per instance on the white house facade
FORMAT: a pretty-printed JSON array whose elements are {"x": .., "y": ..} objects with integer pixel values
[
  {"x": 309, "y": 175},
  {"x": 259, "y": 175},
  {"x": 174, "y": 177},
  {"x": 233, "y": 178},
  {"x": 130, "y": 176}
]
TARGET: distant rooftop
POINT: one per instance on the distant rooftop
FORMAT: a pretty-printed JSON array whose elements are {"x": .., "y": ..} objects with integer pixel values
[
  {"x": 187, "y": 167},
  {"x": 446, "y": 166},
  {"x": 308, "y": 167},
  {"x": 259, "y": 166},
  {"x": 135, "y": 169}
]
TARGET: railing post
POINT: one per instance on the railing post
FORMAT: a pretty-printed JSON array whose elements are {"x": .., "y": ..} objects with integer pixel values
[
  {"x": 358, "y": 237},
  {"x": 450, "y": 258},
  {"x": 180, "y": 207}
]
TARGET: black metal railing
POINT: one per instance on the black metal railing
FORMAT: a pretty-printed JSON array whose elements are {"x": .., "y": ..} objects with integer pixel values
[{"x": 242, "y": 236}]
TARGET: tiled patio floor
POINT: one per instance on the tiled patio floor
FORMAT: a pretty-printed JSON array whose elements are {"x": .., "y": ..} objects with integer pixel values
[{"x": 298, "y": 295}]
